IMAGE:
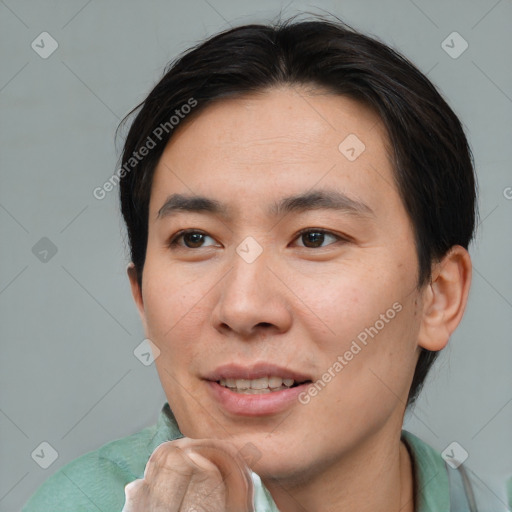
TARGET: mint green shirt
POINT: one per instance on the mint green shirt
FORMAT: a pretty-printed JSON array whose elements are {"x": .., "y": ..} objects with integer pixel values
[{"x": 95, "y": 481}]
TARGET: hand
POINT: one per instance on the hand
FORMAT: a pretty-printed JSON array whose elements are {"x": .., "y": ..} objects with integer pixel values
[{"x": 192, "y": 475}]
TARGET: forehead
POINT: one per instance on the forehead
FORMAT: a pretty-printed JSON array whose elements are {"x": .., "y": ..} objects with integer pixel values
[{"x": 287, "y": 138}]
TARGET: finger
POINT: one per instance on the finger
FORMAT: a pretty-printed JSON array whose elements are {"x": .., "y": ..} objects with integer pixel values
[
  {"x": 234, "y": 472},
  {"x": 134, "y": 496},
  {"x": 178, "y": 481},
  {"x": 198, "y": 473},
  {"x": 167, "y": 475},
  {"x": 206, "y": 490}
]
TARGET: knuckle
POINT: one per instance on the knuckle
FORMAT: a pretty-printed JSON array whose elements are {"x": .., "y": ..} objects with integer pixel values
[
  {"x": 133, "y": 488},
  {"x": 166, "y": 455},
  {"x": 168, "y": 458}
]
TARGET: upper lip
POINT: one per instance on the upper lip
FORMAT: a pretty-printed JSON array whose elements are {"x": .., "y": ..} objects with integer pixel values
[{"x": 255, "y": 371}]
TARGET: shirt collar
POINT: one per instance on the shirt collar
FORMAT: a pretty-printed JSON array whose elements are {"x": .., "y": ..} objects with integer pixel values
[
  {"x": 166, "y": 429},
  {"x": 431, "y": 485}
]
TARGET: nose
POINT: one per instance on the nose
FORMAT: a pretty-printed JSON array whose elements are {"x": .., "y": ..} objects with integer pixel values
[{"x": 252, "y": 301}]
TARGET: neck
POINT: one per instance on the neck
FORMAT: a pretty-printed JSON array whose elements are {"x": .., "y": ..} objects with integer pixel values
[{"x": 377, "y": 476}]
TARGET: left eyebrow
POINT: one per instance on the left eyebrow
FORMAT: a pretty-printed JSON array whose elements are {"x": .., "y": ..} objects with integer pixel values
[
  {"x": 300, "y": 203},
  {"x": 320, "y": 200}
]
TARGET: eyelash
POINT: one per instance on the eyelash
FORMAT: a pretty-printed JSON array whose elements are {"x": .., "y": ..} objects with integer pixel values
[{"x": 173, "y": 242}]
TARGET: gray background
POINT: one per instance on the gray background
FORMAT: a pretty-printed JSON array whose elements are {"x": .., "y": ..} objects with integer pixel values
[{"x": 68, "y": 325}]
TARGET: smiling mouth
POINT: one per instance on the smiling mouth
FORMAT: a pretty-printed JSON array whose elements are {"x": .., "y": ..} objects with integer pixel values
[{"x": 262, "y": 385}]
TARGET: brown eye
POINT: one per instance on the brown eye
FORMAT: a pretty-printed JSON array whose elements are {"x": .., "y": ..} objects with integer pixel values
[
  {"x": 314, "y": 238},
  {"x": 192, "y": 239}
]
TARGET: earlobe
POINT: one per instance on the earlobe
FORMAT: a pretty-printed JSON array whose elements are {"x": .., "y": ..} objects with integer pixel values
[
  {"x": 136, "y": 290},
  {"x": 445, "y": 299}
]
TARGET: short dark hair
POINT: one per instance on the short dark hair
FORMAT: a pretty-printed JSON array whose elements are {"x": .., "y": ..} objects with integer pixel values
[{"x": 433, "y": 164}]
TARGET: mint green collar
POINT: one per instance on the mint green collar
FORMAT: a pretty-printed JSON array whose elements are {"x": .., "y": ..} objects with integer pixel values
[
  {"x": 431, "y": 485},
  {"x": 166, "y": 429}
]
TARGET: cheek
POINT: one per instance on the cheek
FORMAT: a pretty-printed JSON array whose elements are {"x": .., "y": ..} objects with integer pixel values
[
  {"x": 370, "y": 318},
  {"x": 172, "y": 297},
  {"x": 378, "y": 355},
  {"x": 348, "y": 298}
]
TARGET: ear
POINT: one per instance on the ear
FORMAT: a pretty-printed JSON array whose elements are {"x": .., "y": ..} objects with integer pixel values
[
  {"x": 136, "y": 291},
  {"x": 445, "y": 299}
]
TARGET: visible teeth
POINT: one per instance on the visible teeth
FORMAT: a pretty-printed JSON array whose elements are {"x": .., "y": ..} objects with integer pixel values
[
  {"x": 243, "y": 384},
  {"x": 259, "y": 383},
  {"x": 262, "y": 385},
  {"x": 275, "y": 382}
]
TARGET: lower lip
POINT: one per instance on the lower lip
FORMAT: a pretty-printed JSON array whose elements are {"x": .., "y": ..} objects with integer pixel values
[{"x": 255, "y": 405}]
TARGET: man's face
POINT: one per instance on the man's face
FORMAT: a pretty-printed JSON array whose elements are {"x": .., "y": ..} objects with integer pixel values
[{"x": 246, "y": 295}]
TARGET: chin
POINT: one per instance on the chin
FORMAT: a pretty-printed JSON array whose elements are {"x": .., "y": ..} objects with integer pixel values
[
  {"x": 280, "y": 464},
  {"x": 287, "y": 472}
]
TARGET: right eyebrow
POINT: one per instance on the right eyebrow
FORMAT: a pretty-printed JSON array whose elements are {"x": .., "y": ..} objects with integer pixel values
[{"x": 181, "y": 202}]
